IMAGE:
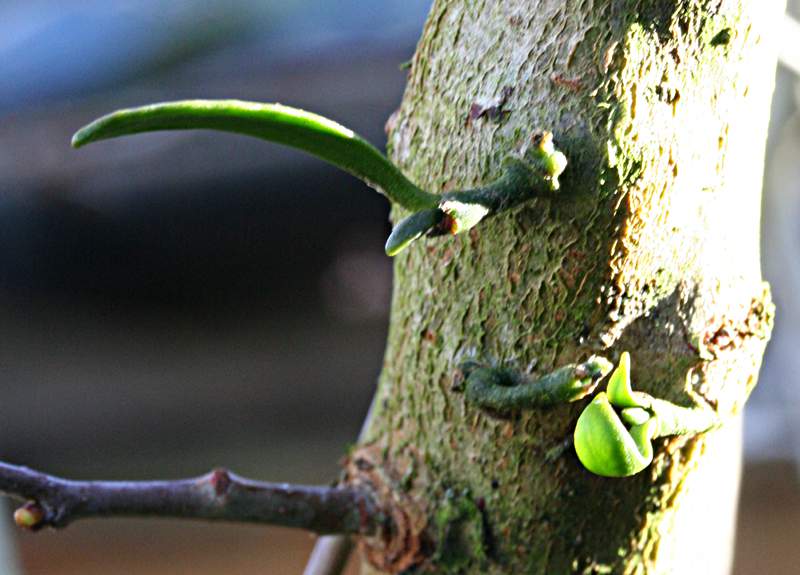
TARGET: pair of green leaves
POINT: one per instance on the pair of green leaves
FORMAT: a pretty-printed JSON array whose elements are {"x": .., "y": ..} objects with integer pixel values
[
  {"x": 615, "y": 444},
  {"x": 614, "y": 433},
  {"x": 534, "y": 172}
]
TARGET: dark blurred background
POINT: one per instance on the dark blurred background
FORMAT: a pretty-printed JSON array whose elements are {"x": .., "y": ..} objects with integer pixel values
[{"x": 178, "y": 301}]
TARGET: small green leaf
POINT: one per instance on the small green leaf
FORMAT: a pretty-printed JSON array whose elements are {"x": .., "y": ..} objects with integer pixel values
[
  {"x": 411, "y": 228},
  {"x": 606, "y": 447},
  {"x": 620, "y": 393}
]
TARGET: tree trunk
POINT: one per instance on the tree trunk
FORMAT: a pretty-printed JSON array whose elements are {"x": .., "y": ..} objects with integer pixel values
[{"x": 651, "y": 246}]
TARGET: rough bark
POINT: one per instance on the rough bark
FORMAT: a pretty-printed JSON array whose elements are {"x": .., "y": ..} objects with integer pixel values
[{"x": 651, "y": 247}]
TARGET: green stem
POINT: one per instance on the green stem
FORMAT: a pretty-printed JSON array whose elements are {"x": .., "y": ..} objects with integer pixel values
[
  {"x": 506, "y": 390},
  {"x": 676, "y": 420},
  {"x": 534, "y": 173},
  {"x": 520, "y": 181},
  {"x": 314, "y": 134},
  {"x": 636, "y": 405}
]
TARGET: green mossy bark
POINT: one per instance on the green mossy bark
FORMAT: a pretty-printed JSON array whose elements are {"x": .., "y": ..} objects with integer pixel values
[{"x": 652, "y": 246}]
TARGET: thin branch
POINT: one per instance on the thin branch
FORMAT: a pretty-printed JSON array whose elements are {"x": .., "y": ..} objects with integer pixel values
[{"x": 218, "y": 495}]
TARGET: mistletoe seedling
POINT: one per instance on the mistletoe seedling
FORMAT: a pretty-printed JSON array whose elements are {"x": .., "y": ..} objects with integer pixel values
[
  {"x": 614, "y": 433},
  {"x": 532, "y": 172}
]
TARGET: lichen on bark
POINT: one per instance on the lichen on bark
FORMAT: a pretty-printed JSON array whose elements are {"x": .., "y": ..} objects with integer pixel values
[{"x": 652, "y": 247}]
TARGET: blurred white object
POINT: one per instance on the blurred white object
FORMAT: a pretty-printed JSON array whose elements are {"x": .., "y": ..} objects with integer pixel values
[
  {"x": 9, "y": 563},
  {"x": 773, "y": 414},
  {"x": 789, "y": 44}
]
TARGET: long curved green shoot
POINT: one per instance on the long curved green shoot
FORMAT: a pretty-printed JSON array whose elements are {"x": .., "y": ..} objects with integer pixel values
[
  {"x": 293, "y": 127},
  {"x": 534, "y": 173}
]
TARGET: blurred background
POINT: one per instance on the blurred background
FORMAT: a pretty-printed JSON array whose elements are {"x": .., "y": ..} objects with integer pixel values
[{"x": 178, "y": 301}]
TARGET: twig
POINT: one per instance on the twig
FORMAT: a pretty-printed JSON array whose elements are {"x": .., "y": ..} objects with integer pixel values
[{"x": 218, "y": 495}]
